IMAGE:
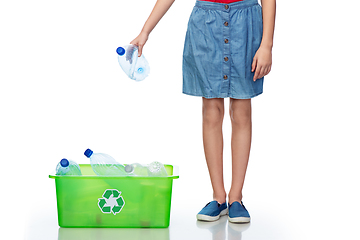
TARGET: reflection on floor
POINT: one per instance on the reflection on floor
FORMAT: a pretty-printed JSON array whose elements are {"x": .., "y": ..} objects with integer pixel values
[
  {"x": 219, "y": 230},
  {"x": 113, "y": 233}
]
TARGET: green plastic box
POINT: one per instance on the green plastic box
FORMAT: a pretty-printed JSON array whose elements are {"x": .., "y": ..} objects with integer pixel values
[{"x": 100, "y": 201}]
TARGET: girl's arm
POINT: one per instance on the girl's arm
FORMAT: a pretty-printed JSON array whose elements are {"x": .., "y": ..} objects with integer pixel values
[
  {"x": 263, "y": 57},
  {"x": 268, "y": 9},
  {"x": 159, "y": 10}
]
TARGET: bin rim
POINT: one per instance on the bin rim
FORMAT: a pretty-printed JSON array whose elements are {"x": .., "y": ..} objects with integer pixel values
[{"x": 174, "y": 176}]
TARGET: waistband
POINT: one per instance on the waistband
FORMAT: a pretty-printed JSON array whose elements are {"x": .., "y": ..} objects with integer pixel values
[
  {"x": 223, "y": 1},
  {"x": 225, "y": 7}
]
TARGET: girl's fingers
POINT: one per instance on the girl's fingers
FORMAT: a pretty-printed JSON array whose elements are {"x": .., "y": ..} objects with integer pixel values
[
  {"x": 135, "y": 41},
  {"x": 139, "y": 46},
  {"x": 263, "y": 72},
  {"x": 257, "y": 72},
  {"x": 253, "y": 65},
  {"x": 140, "y": 50},
  {"x": 267, "y": 70}
]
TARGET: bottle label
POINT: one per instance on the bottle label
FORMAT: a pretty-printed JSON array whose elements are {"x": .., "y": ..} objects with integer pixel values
[{"x": 111, "y": 201}]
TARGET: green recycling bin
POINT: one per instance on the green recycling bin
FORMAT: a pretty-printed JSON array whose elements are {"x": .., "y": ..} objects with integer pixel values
[{"x": 114, "y": 201}]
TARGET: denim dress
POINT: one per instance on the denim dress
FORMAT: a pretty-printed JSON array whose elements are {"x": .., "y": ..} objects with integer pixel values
[{"x": 220, "y": 44}]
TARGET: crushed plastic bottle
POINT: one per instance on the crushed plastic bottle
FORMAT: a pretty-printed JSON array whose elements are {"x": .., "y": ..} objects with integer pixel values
[
  {"x": 104, "y": 165},
  {"x": 156, "y": 169},
  {"x": 137, "y": 68},
  {"x": 136, "y": 169},
  {"x": 66, "y": 167}
]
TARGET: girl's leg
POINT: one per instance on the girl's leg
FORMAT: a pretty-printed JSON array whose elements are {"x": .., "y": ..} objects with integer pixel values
[
  {"x": 213, "y": 115},
  {"x": 240, "y": 115}
]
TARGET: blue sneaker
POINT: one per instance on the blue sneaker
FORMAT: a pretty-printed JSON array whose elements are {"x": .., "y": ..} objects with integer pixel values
[
  {"x": 212, "y": 211},
  {"x": 238, "y": 213}
]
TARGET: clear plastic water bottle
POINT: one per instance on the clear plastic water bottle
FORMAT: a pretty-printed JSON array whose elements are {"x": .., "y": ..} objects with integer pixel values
[
  {"x": 66, "y": 167},
  {"x": 105, "y": 165},
  {"x": 136, "y": 169},
  {"x": 137, "y": 68},
  {"x": 156, "y": 169}
]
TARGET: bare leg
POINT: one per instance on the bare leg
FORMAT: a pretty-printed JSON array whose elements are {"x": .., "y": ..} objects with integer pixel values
[
  {"x": 240, "y": 114},
  {"x": 213, "y": 115}
]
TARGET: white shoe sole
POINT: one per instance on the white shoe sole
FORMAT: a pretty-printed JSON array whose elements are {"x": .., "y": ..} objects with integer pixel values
[
  {"x": 207, "y": 218},
  {"x": 239, "y": 220}
]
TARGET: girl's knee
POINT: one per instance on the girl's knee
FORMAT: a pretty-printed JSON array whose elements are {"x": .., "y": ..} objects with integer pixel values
[
  {"x": 240, "y": 111},
  {"x": 213, "y": 110}
]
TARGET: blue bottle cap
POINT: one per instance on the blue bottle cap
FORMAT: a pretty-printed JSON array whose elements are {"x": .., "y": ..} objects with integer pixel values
[
  {"x": 64, "y": 162},
  {"x": 88, "y": 153},
  {"x": 120, "y": 51}
]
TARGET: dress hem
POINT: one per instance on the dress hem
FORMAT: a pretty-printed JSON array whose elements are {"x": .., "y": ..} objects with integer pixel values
[{"x": 235, "y": 97}]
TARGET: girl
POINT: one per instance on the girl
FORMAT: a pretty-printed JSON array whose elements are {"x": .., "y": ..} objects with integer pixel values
[{"x": 227, "y": 53}]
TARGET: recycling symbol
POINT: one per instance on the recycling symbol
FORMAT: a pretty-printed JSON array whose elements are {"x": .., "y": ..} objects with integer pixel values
[{"x": 111, "y": 202}]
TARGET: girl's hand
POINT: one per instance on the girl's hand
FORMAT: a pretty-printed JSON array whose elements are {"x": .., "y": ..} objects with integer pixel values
[
  {"x": 262, "y": 62},
  {"x": 140, "y": 41}
]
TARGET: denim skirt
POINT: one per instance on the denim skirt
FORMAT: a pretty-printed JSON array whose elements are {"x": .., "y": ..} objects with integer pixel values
[{"x": 220, "y": 44}]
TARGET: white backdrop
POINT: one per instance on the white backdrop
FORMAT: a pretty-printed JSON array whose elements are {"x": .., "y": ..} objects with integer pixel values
[{"x": 62, "y": 91}]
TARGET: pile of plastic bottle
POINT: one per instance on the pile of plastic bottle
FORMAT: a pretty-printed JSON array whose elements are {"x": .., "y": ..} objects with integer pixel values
[{"x": 105, "y": 165}]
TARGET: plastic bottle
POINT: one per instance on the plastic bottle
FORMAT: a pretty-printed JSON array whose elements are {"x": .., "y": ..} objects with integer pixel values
[
  {"x": 137, "y": 68},
  {"x": 66, "y": 167},
  {"x": 156, "y": 169},
  {"x": 105, "y": 165},
  {"x": 136, "y": 169}
]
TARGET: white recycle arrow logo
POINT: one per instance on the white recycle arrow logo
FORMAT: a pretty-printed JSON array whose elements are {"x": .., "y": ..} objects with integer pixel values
[{"x": 111, "y": 202}]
